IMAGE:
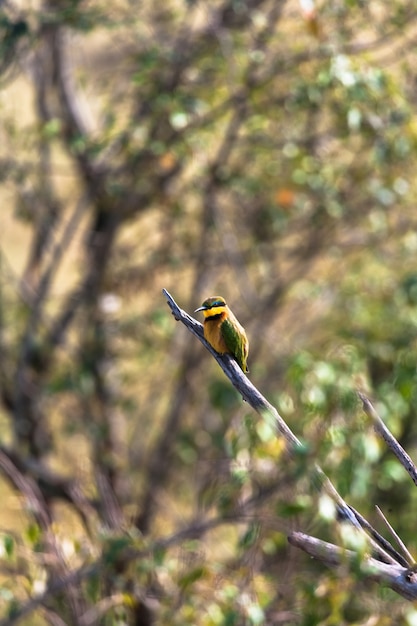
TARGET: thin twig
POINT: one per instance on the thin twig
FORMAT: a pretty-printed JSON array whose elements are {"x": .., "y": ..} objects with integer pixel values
[
  {"x": 397, "y": 538},
  {"x": 381, "y": 541},
  {"x": 389, "y": 438}
]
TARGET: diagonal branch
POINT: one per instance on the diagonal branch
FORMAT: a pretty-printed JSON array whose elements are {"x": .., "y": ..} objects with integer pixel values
[
  {"x": 238, "y": 379},
  {"x": 389, "y": 438},
  {"x": 256, "y": 400}
]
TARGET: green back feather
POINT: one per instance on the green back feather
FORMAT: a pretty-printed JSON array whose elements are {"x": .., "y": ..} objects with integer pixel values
[{"x": 234, "y": 343}]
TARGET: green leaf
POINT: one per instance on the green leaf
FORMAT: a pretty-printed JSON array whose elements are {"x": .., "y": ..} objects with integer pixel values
[{"x": 191, "y": 577}]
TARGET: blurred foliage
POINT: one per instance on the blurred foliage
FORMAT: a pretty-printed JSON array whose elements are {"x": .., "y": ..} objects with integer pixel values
[{"x": 257, "y": 149}]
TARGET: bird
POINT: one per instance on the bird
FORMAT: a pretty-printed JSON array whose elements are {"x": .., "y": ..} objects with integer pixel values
[{"x": 223, "y": 331}]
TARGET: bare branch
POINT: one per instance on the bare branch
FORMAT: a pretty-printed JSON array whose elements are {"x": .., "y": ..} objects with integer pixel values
[
  {"x": 268, "y": 412},
  {"x": 238, "y": 378},
  {"x": 380, "y": 540},
  {"x": 389, "y": 438},
  {"x": 397, "y": 538},
  {"x": 398, "y": 578}
]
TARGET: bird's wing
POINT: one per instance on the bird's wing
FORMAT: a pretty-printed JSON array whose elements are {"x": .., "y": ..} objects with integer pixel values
[{"x": 234, "y": 343}]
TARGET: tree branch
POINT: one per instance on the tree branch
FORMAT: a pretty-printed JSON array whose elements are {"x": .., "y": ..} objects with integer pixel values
[
  {"x": 319, "y": 479},
  {"x": 238, "y": 379},
  {"x": 389, "y": 438},
  {"x": 400, "y": 579}
]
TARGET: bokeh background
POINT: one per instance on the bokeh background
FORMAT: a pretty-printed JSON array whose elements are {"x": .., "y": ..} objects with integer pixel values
[{"x": 262, "y": 150}]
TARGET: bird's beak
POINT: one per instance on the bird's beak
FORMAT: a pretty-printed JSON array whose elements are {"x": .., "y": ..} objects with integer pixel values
[{"x": 202, "y": 308}]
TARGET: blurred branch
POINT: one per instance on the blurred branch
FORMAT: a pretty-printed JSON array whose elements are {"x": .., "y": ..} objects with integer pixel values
[
  {"x": 159, "y": 466},
  {"x": 100, "y": 608},
  {"x": 13, "y": 31},
  {"x": 48, "y": 208},
  {"x": 29, "y": 490},
  {"x": 401, "y": 579},
  {"x": 75, "y": 116},
  {"x": 99, "y": 411},
  {"x": 50, "y": 484},
  {"x": 194, "y": 529},
  {"x": 48, "y": 543},
  {"x": 35, "y": 357}
]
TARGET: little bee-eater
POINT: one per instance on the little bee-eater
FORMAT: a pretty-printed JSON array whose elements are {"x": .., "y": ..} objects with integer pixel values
[{"x": 223, "y": 331}]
